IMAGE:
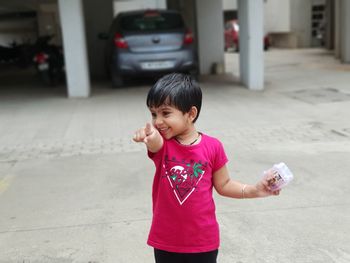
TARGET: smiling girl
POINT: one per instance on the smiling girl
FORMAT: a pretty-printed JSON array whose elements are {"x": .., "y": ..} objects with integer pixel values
[{"x": 188, "y": 165}]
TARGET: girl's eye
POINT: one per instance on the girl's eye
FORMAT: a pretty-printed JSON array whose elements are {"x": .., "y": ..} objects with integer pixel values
[
  {"x": 154, "y": 115},
  {"x": 166, "y": 113}
]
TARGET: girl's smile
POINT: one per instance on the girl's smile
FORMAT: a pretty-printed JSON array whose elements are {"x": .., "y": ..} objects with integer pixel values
[
  {"x": 163, "y": 131},
  {"x": 171, "y": 122}
]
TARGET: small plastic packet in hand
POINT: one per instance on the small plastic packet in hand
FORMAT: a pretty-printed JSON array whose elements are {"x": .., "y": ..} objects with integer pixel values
[{"x": 281, "y": 176}]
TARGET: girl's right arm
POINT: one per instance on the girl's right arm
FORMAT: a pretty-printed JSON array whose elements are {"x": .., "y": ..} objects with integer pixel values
[{"x": 150, "y": 136}]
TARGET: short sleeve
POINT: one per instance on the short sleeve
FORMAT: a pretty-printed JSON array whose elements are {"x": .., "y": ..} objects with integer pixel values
[
  {"x": 157, "y": 155},
  {"x": 220, "y": 158}
]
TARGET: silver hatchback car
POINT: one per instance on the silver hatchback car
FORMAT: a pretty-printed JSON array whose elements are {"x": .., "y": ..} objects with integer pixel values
[{"x": 149, "y": 43}]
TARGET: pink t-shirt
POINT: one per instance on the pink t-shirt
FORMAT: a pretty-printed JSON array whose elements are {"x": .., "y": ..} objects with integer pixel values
[{"x": 184, "y": 218}]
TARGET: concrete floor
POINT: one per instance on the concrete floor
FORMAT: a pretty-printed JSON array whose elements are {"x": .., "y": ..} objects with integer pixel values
[{"x": 75, "y": 188}]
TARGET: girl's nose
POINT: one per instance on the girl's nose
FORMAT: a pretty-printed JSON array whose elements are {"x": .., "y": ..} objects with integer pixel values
[{"x": 157, "y": 121}]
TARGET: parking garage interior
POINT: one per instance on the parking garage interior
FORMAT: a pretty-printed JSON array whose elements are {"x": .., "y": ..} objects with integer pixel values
[{"x": 22, "y": 23}]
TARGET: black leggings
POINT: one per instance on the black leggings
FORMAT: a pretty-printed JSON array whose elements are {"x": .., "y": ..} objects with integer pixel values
[{"x": 162, "y": 256}]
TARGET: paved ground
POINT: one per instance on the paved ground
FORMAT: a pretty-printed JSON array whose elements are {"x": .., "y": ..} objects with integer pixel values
[{"x": 74, "y": 188}]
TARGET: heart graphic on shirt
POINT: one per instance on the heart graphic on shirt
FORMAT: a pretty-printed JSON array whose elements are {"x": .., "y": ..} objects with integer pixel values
[{"x": 183, "y": 179}]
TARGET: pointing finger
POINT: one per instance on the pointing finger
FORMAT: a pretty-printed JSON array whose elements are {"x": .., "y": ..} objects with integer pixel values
[{"x": 148, "y": 129}]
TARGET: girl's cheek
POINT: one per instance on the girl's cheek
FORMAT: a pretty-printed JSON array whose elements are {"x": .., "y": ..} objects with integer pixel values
[{"x": 154, "y": 123}]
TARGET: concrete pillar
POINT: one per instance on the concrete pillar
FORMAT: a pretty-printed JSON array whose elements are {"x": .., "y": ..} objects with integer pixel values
[
  {"x": 74, "y": 43},
  {"x": 345, "y": 31},
  {"x": 337, "y": 44},
  {"x": 250, "y": 17},
  {"x": 210, "y": 34},
  {"x": 98, "y": 19}
]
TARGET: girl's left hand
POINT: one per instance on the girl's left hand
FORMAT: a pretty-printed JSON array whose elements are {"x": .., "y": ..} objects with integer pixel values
[{"x": 263, "y": 187}]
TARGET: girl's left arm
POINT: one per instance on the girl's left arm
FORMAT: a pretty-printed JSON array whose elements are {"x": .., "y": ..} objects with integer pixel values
[{"x": 225, "y": 186}]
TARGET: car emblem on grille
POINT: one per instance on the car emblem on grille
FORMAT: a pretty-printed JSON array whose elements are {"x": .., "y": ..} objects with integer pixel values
[{"x": 156, "y": 40}]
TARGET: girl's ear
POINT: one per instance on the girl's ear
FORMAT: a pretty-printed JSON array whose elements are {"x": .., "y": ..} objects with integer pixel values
[{"x": 193, "y": 113}]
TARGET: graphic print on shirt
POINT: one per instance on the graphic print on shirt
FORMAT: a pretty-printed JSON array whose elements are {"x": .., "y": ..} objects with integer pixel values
[{"x": 183, "y": 176}]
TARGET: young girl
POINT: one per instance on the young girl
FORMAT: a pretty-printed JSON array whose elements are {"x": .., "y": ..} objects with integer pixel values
[{"x": 188, "y": 165}]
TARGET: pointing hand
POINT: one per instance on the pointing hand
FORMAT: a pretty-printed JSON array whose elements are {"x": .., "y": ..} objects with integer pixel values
[{"x": 145, "y": 134}]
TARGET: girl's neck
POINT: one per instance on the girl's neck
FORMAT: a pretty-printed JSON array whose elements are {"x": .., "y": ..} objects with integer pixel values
[{"x": 189, "y": 138}]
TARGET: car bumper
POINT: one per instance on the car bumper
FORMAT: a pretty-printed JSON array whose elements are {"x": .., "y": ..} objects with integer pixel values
[{"x": 126, "y": 63}]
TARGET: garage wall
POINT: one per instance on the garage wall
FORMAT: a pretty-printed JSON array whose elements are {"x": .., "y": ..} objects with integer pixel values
[
  {"x": 45, "y": 22},
  {"x": 301, "y": 22},
  {"x": 126, "y": 5},
  {"x": 277, "y": 16},
  {"x": 229, "y": 4},
  {"x": 187, "y": 8},
  {"x": 345, "y": 31},
  {"x": 277, "y": 21},
  {"x": 210, "y": 29},
  {"x": 98, "y": 18},
  {"x": 18, "y": 30},
  {"x": 48, "y": 22},
  {"x": 289, "y": 21}
]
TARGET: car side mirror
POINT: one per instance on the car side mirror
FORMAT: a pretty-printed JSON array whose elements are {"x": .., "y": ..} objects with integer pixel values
[{"x": 103, "y": 36}]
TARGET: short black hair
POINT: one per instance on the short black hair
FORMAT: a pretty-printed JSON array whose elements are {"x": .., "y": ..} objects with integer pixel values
[{"x": 178, "y": 90}]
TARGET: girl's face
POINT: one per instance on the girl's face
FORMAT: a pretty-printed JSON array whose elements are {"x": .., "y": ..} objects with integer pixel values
[{"x": 171, "y": 122}]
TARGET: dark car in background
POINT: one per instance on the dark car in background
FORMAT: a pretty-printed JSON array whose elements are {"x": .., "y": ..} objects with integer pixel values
[
  {"x": 231, "y": 35},
  {"x": 149, "y": 43}
]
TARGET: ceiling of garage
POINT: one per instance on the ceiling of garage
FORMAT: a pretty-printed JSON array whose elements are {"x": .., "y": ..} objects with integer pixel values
[{"x": 21, "y": 5}]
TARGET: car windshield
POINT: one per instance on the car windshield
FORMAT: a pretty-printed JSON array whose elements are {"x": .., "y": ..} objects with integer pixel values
[{"x": 151, "y": 21}]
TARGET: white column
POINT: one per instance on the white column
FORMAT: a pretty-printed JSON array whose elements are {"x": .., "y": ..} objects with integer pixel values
[
  {"x": 250, "y": 17},
  {"x": 345, "y": 31},
  {"x": 210, "y": 34},
  {"x": 74, "y": 43}
]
